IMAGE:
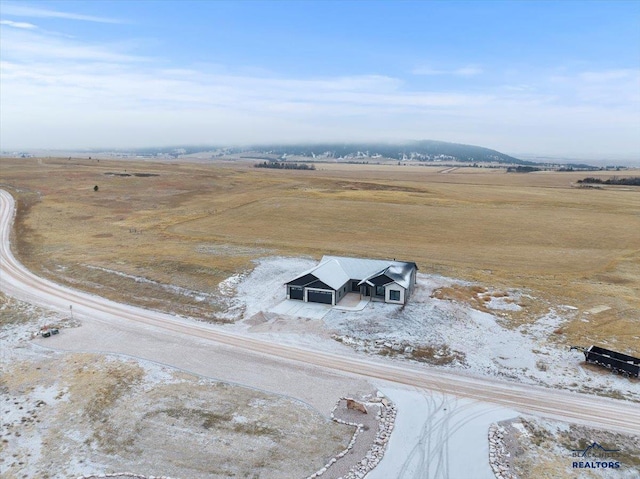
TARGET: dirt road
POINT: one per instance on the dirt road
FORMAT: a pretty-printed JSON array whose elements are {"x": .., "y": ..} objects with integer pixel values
[{"x": 16, "y": 280}]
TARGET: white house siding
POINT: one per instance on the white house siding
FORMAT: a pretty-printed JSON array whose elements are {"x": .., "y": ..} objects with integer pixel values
[
  {"x": 412, "y": 285},
  {"x": 341, "y": 291},
  {"x": 395, "y": 287}
]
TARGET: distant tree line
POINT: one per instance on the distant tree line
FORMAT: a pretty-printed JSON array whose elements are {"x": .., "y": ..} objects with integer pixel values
[
  {"x": 583, "y": 167},
  {"x": 630, "y": 181},
  {"x": 522, "y": 169},
  {"x": 282, "y": 165}
]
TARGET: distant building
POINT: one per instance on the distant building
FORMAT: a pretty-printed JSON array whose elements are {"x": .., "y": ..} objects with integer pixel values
[{"x": 335, "y": 276}]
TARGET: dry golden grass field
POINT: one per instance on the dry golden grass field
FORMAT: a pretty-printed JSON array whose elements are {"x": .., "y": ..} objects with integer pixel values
[{"x": 195, "y": 224}]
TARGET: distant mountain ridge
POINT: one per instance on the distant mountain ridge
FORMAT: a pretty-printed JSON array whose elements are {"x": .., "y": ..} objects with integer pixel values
[{"x": 423, "y": 150}]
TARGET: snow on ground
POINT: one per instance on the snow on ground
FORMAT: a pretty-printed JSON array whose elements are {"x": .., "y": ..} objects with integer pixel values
[
  {"x": 538, "y": 447},
  {"x": 197, "y": 295},
  {"x": 504, "y": 303},
  {"x": 439, "y": 332},
  {"x": 264, "y": 287},
  {"x": 67, "y": 414},
  {"x": 438, "y": 436},
  {"x": 14, "y": 330}
]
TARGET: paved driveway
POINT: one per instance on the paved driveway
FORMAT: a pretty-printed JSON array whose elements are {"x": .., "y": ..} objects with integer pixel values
[{"x": 293, "y": 307}]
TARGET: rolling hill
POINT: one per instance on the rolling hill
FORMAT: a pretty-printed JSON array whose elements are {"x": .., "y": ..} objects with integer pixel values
[{"x": 425, "y": 150}]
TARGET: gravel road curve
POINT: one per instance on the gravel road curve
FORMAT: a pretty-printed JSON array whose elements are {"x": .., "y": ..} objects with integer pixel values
[{"x": 17, "y": 281}]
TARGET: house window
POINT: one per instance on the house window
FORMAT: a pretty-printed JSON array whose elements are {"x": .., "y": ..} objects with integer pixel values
[
  {"x": 379, "y": 290},
  {"x": 394, "y": 295}
]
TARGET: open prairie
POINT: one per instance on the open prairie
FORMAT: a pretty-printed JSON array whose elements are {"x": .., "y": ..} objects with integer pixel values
[{"x": 164, "y": 235}]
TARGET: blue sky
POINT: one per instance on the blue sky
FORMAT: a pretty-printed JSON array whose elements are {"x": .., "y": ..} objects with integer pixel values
[{"x": 548, "y": 78}]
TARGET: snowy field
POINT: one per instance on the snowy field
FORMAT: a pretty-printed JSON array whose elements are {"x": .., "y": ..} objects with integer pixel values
[{"x": 437, "y": 332}]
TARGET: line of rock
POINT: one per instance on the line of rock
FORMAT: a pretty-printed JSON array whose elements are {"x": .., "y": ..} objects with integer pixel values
[
  {"x": 498, "y": 453},
  {"x": 386, "y": 418}
]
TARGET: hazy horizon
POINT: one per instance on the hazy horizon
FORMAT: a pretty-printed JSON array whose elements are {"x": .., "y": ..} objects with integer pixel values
[
  {"x": 555, "y": 79},
  {"x": 594, "y": 160}
]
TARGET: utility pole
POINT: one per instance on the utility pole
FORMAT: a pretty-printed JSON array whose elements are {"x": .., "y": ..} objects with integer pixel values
[{"x": 71, "y": 311}]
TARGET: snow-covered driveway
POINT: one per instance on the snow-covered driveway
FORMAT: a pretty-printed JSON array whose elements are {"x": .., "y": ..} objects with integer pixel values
[
  {"x": 438, "y": 436},
  {"x": 292, "y": 307}
]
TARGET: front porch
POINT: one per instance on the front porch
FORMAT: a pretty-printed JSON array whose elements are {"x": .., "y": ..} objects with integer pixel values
[{"x": 352, "y": 302}]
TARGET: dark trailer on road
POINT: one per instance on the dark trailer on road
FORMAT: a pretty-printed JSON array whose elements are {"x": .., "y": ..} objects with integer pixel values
[{"x": 618, "y": 363}]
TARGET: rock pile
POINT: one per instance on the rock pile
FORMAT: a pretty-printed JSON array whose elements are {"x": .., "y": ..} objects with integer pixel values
[
  {"x": 386, "y": 418},
  {"x": 498, "y": 453},
  {"x": 357, "y": 406}
]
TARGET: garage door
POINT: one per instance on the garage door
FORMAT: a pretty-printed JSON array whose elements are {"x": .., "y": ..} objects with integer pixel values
[
  {"x": 296, "y": 292},
  {"x": 320, "y": 297}
]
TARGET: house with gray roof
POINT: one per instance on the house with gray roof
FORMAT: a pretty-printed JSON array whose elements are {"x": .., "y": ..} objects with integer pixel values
[{"x": 390, "y": 281}]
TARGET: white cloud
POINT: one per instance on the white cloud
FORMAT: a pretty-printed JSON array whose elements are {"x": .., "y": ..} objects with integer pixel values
[
  {"x": 520, "y": 87},
  {"x": 40, "y": 46},
  {"x": 608, "y": 75},
  {"x": 427, "y": 71},
  {"x": 10, "y": 23},
  {"x": 607, "y": 88},
  {"x": 14, "y": 9},
  {"x": 467, "y": 71}
]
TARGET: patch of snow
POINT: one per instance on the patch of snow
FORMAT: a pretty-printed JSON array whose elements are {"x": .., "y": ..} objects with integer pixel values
[
  {"x": 598, "y": 309},
  {"x": 231, "y": 250},
  {"x": 258, "y": 402},
  {"x": 197, "y": 295},
  {"x": 505, "y": 304},
  {"x": 239, "y": 419},
  {"x": 156, "y": 374},
  {"x": 19, "y": 334},
  {"x": 544, "y": 325},
  {"x": 520, "y": 428},
  {"x": 228, "y": 286},
  {"x": 137, "y": 279},
  {"x": 553, "y": 426},
  {"x": 23, "y": 410},
  {"x": 264, "y": 287}
]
